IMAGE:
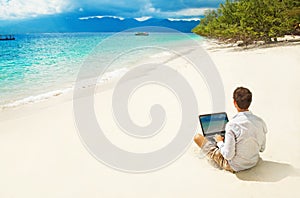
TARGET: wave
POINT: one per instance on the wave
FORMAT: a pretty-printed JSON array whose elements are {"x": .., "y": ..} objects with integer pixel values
[
  {"x": 106, "y": 78},
  {"x": 37, "y": 98}
]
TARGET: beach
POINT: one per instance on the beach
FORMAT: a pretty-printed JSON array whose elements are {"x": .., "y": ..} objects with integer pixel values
[{"x": 42, "y": 153}]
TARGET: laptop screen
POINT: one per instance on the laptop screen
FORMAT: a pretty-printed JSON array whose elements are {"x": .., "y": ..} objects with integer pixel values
[{"x": 213, "y": 123}]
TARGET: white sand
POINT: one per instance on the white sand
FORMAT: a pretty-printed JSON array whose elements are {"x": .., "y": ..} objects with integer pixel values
[{"x": 42, "y": 154}]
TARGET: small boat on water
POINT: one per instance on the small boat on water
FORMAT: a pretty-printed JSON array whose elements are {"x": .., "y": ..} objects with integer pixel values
[
  {"x": 141, "y": 34},
  {"x": 7, "y": 38}
]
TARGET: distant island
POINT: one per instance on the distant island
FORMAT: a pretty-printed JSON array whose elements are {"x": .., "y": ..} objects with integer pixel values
[{"x": 248, "y": 21}]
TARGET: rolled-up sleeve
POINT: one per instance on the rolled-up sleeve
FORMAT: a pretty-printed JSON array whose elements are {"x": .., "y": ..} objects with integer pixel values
[{"x": 227, "y": 148}]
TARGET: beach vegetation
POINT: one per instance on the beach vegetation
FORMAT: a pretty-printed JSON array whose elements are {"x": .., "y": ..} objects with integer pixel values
[{"x": 251, "y": 20}]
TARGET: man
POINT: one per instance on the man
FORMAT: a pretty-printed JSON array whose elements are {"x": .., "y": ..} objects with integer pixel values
[{"x": 245, "y": 137}]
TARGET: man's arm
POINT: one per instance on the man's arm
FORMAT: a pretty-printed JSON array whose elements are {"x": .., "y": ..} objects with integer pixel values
[
  {"x": 227, "y": 148},
  {"x": 263, "y": 145}
]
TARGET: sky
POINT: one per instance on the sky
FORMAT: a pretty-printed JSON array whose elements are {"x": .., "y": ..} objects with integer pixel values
[{"x": 139, "y": 9}]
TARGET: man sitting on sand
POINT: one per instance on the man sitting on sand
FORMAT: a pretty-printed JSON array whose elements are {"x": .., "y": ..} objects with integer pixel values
[{"x": 245, "y": 137}]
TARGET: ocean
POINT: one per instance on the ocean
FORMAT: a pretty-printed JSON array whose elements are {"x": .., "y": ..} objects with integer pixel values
[{"x": 35, "y": 67}]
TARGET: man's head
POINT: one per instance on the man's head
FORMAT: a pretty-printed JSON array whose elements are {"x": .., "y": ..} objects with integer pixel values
[{"x": 242, "y": 98}]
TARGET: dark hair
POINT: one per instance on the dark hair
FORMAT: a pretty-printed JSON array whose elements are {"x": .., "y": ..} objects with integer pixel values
[{"x": 243, "y": 97}]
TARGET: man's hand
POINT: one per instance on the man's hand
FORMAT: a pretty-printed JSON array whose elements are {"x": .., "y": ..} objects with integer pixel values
[{"x": 219, "y": 138}]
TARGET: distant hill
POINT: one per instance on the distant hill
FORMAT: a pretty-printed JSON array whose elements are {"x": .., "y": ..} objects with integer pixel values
[{"x": 71, "y": 23}]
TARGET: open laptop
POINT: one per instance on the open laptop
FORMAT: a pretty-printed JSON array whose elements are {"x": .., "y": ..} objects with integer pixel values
[{"x": 213, "y": 124}]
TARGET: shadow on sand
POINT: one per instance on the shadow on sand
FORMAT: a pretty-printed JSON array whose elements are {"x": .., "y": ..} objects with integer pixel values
[{"x": 268, "y": 171}]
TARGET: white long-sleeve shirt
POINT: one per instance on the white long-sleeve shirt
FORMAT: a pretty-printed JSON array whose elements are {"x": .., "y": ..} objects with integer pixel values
[{"x": 245, "y": 137}]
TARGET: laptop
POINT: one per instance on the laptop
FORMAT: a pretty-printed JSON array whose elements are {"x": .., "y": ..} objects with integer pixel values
[{"x": 213, "y": 124}]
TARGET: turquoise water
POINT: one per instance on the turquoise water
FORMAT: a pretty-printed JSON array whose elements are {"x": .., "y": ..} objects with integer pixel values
[{"x": 36, "y": 64}]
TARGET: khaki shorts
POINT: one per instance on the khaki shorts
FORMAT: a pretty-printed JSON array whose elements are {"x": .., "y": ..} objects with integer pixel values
[{"x": 213, "y": 153}]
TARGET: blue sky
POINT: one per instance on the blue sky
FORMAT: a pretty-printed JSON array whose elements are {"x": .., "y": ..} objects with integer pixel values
[{"x": 142, "y": 9}]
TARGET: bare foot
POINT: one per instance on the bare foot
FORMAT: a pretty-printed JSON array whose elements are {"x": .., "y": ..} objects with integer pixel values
[{"x": 200, "y": 140}]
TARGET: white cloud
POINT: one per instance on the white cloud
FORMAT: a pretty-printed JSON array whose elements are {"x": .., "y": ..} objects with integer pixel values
[
  {"x": 149, "y": 9},
  {"x": 18, "y": 9},
  {"x": 144, "y": 18},
  {"x": 186, "y": 19},
  {"x": 21, "y": 9},
  {"x": 100, "y": 17},
  {"x": 189, "y": 12}
]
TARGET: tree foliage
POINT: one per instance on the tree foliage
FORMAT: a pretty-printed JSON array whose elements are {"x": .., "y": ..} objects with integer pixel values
[{"x": 250, "y": 20}]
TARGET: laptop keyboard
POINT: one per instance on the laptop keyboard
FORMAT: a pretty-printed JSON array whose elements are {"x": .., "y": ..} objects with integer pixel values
[{"x": 211, "y": 138}]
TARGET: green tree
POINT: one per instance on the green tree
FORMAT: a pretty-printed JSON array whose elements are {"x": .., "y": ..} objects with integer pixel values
[{"x": 250, "y": 20}]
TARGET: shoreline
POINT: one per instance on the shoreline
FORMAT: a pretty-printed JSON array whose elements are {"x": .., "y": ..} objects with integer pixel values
[{"x": 214, "y": 44}]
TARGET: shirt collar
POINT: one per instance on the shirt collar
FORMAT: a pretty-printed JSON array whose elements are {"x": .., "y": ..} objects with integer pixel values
[{"x": 243, "y": 113}]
